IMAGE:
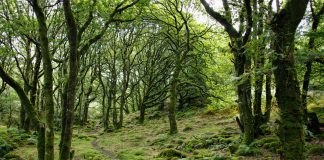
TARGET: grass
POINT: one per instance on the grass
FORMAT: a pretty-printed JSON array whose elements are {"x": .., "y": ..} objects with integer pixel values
[{"x": 203, "y": 134}]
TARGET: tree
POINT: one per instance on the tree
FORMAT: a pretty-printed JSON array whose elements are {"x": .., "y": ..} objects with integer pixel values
[
  {"x": 48, "y": 81},
  {"x": 311, "y": 46},
  {"x": 284, "y": 26},
  {"x": 76, "y": 50},
  {"x": 177, "y": 25},
  {"x": 241, "y": 61}
]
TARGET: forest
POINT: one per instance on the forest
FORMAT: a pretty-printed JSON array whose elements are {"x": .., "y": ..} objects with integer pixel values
[{"x": 161, "y": 79}]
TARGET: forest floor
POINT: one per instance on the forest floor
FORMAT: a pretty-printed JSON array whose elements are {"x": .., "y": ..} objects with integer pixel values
[{"x": 203, "y": 134}]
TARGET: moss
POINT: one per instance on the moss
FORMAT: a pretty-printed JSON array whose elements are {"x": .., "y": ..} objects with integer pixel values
[
  {"x": 209, "y": 112},
  {"x": 218, "y": 157},
  {"x": 31, "y": 141},
  {"x": 12, "y": 138},
  {"x": 265, "y": 129},
  {"x": 225, "y": 140},
  {"x": 160, "y": 140},
  {"x": 133, "y": 153},
  {"x": 83, "y": 137},
  {"x": 201, "y": 153},
  {"x": 170, "y": 153},
  {"x": 233, "y": 147},
  {"x": 155, "y": 115},
  {"x": 272, "y": 146},
  {"x": 187, "y": 128},
  {"x": 245, "y": 150},
  {"x": 318, "y": 150},
  {"x": 270, "y": 143},
  {"x": 93, "y": 155},
  {"x": 12, "y": 156},
  {"x": 262, "y": 141}
]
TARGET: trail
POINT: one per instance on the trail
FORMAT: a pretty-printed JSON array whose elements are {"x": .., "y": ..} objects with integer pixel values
[
  {"x": 96, "y": 146},
  {"x": 107, "y": 153}
]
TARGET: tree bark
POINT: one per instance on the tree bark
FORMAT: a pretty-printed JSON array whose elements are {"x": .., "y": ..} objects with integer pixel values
[
  {"x": 174, "y": 98},
  {"x": 71, "y": 84},
  {"x": 48, "y": 81},
  {"x": 268, "y": 97},
  {"x": 291, "y": 132},
  {"x": 88, "y": 100},
  {"x": 244, "y": 99},
  {"x": 32, "y": 113},
  {"x": 241, "y": 63}
]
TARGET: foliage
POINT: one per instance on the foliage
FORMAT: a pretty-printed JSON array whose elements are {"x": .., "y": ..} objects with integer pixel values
[
  {"x": 318, "y": 150},
  {"x": 12, "y": 138}
]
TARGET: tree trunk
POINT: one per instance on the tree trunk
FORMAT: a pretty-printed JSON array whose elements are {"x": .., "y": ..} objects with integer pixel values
[
  {"x": 103, "y": 103},
  {"x": 174, "y": 100},
  {"x": 121, "y": 110},
  {"x": 142, "y": 112},
  {"x": 104, "y": 94},
  {"x": 241, "y": 61},
  {"x": 41, "y": 143},
  {"x": 24, "y": 120},
  {"x": 305, "y": 88},
  {"x": 268, "y": 97},
  {"x": 71, "y": 84},
  {"x": 258, "y": 116},
  {"x": 311, "y": 45},
  {"x": 114, "y": 106},
  {"x": 244, "y": 98},
  {"x": 48, "y": 81},
  {"x": 41, "y": 139},
  {"x": 109, "y": 101},
  {"x": 85, "y": 112},
  {"x": 32, "y": 113},
  {"x": 291, "y": 132}
]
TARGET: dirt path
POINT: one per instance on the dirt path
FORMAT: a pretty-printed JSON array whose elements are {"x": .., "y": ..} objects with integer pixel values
[
  {"x": 107, "y": 153},
  {"x": 96, "y": 146}
]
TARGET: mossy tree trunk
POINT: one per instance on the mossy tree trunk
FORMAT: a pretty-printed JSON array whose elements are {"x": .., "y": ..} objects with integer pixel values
[
  {"x": 259, "y": 59},
  {"x": 113, "y": 90},
  {"x": 174, "y": 97},
  {"x": 48, "y": 101},
  {"x": 71, "y": 84},
  {"x": 87, "y": 97},
  {"x": 244, "y": 98},
  {"x": 41, "y": 130},
  {"x": 291, "y": 132},
  {"x": 268, "y": 96},
  {"x": 242, "y": 62},
  {"x": 24, "y": 119},
  {"x": 30, "y": 109}
]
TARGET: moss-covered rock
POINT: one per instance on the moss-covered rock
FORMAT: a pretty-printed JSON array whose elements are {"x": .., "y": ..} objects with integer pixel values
[
  {"x": 170, "y": 153},
  {"x": 270, "y": 143},
  {"x": 12, "y": 156},
  {"x": 187, "y": 128},
  {"x": 12, "y": 138},
  {"x": 245, "y": 150},
  {"x": 261, "y": 142},
  {"x": 233, "y": 148}
]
